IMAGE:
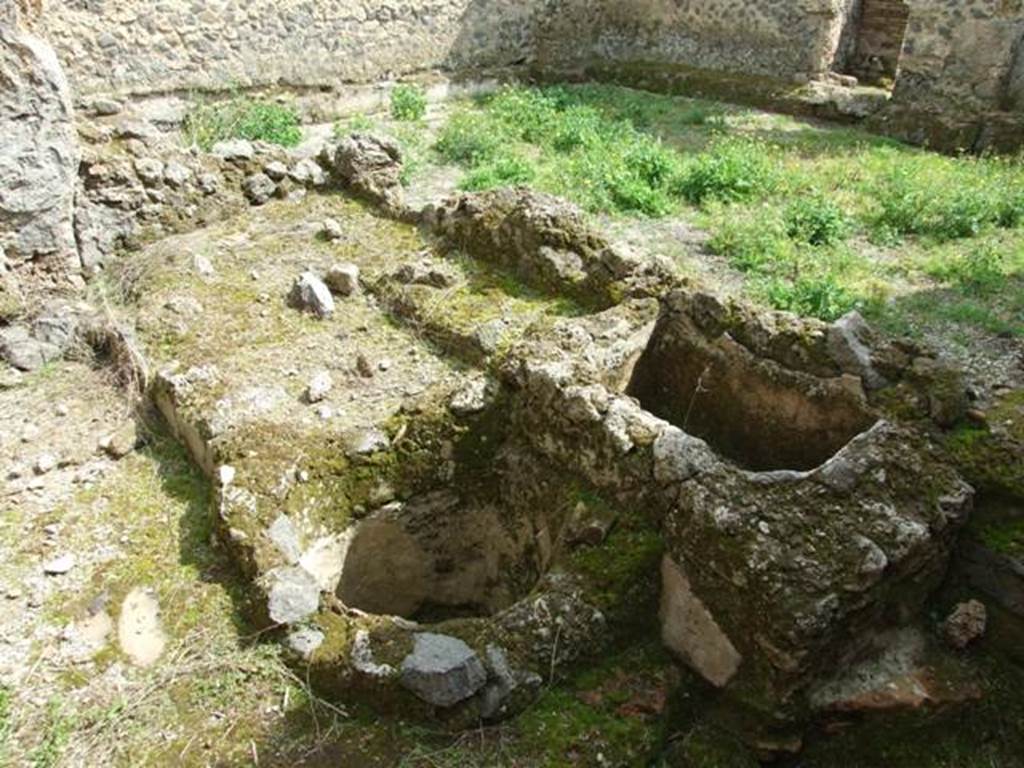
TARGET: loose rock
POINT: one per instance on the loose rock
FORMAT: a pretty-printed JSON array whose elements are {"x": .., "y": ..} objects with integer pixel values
[
  {"x": 310, "y": 293},
  {"x": 442, "y": 670},
  {"x": 319, "y": 387},
  {"x": 343, "y": 279},
  {"x": 258, "y": 188},
  {"x": 965, "y": 625},
  {"x": 59, "y": 565}
]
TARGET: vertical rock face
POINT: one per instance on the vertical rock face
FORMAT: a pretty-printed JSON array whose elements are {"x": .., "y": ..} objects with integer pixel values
[{"x": 38, "y": 154}]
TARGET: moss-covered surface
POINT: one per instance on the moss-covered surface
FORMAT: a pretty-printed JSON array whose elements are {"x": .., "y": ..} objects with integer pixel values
[
  {"x": 986, "y": 733},
  {"x": 992, "y": 457}
]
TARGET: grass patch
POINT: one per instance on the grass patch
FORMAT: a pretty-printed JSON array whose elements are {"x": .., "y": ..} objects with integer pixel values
[
  {"x": 943, "y": 198},
  {"x": 732, "y": 170},
  {"x": 408, "y": 102},
  {"x": 6, "y": 725},
  {"x": 556, "y": 141},
  {"x": 242, "y": 118},
  {"x": 59, "y": 727}
]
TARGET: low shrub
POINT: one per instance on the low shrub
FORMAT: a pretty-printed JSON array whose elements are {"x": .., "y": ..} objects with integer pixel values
[
  {"x": 816, "y": 220},
  {"x": 470, "y": 139},
  {"x": 751, "y": 241},
  {"x": 506, "y": 169},
  {"x": 242, "y": 118},
  {"x": 979, "y": 271},
  {"x": 944, "y": 198},
  {"x": 820, "y": 296},
  {"x": 732, "y": 170},
  {"x": 408, "y": 102}
]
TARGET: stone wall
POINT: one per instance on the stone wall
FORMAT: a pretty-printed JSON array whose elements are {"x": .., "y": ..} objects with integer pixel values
[
  {"x": 778, "y": 39},
  {"x": 38, "y": 150},
  {"x": 959, "y": 54},
  {"x": 882, "y": 25},
  {"x": 137, "y": 47}
]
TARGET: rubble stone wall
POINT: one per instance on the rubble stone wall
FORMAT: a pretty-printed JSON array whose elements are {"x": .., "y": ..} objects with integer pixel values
[
  {"x": 881, "y": 27},
  {"x": 137, "y": 47},
  {"x": 779, "y": 39},
  {"x": 960, "y": 54}
]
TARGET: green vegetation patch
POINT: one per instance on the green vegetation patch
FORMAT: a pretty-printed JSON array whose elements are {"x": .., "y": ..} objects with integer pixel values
[
  {"x": 820, "y": 220},
  {"x": 242, "y": 117},
  {"x": 559, "y": 142},
  {"x": 408, "y": 102}
]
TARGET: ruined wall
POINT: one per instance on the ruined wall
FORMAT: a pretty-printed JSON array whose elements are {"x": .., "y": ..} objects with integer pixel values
[
  {"x": 38, "y": 149},
  {"x": 959, "y": 54},
  {"x": 881, "y": 27},
  {"x": 778, "y": 39},
  {"x": 137, "y": 46}
]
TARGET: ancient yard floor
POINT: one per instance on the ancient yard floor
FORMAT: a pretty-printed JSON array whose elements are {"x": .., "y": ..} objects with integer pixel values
[{"x": 132, "y": 649}]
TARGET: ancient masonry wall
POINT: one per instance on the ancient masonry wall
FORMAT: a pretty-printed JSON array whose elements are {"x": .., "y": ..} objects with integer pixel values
[
  {"x": 779, "y": 39},
  {"x": 881, "y": 28},
  {"x": 960, "y": 55},
  {"x": 136, "y": 46},
  {"x": 140, "y": 47}
]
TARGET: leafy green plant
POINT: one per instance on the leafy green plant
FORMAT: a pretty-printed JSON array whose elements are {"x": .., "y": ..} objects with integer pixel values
[
  {"x": 470, "y": 139},
  {"x": 816, "y": 220},
  {"x": 945, "y": 199},
  {"x": 752, "y": 241},
  {"x": 979, "y": 271},
  {"x": 242, "y": 118},
  {"x": 358, "y": 123},
  {"x": 408, "y": 102},
  {"x": 505, "y": 169},
  {"x": 732, "y": 170},
  {"x": 818, "y": 296},
  {"x": 575, "y": 150}
]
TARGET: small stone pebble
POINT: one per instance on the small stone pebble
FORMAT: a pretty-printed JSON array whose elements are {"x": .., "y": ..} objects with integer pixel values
[
  {"x": 319, "y": 387},
  {"x": 59, "y": 565},
  {"x": 45, "y": 463}
]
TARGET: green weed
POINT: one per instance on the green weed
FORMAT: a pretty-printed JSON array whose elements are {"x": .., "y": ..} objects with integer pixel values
[
  {"x": 731, "y": 170},
  {"x": 979, "y": 271},
  {"x": 242, "y": 118},
  {"x": 470, "y": 139},
  {"x": 408, "y": 102},
  {"x": 603, "y": 163},
  {"x": 6, "y": 725},
  {"x": 816, "y": 220},
  {"x": 505, "y": 169},
  {"x": 821, "y": 296},
  {"x": 752, "y": 241},
  {"x": 944, "y": 198},
  {"x": 59, "y": 726}
]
